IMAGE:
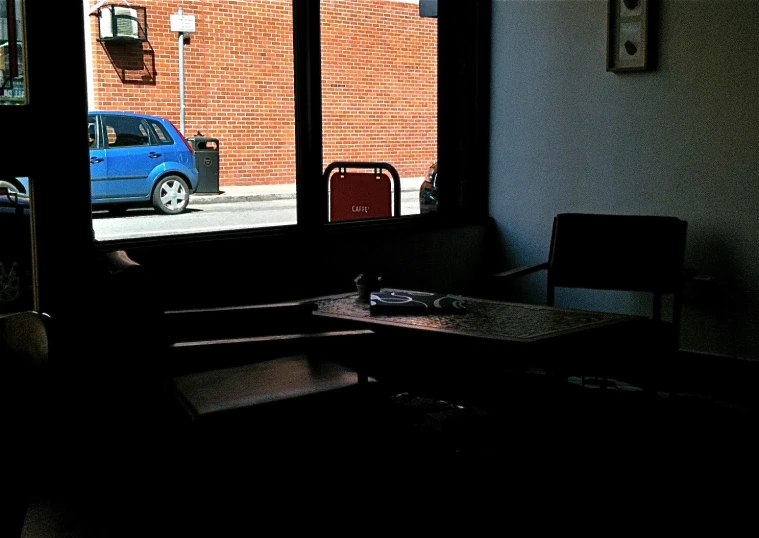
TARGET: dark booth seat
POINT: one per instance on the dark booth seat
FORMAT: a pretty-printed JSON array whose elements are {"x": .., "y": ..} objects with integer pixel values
[
  {"x": 189, "y": 419},
  {"x": 303, "y": 371}
]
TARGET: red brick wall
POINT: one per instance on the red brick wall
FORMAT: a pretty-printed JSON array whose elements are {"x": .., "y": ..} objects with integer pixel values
[{"x": 379, "y": 82}]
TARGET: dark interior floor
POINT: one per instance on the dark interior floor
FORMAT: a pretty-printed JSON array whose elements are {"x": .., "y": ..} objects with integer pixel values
[{"x": 431, "y": 460}]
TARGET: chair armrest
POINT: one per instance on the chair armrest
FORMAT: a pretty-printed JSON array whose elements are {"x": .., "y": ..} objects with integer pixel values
[{"x": 521, "y": 271}]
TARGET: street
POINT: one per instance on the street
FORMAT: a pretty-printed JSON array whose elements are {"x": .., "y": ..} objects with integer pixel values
[{"x": 209, "y": 217}]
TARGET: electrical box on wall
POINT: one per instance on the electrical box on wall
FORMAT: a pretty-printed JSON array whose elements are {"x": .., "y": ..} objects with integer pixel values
[
  {"x": 428, "y": 8},
  {"x": 122, "y": 23}
]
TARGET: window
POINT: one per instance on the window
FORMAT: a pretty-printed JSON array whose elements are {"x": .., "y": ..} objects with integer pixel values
[
  {"x": 379, "y": 94},
  {"x": 12, "y": 53},
  {"x": 15, "y": 246},
  {"x": 376, "y": 99},
  {"x": 160, "y": 133},
  {"x": 65, "y": 207},
  {"x": 125, "y": 131},
  {"x": 92, "y": 133}
]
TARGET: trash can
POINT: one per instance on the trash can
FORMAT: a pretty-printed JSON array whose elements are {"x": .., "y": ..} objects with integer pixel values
[{"x": 206, "y": 151}]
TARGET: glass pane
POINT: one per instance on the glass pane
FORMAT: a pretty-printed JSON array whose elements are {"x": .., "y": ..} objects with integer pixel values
[
  {"x": 12, "y": 57},
  {"x": 379, "y": 94},
  {"x": 15, "y": 246},
  {"x": 224, "y": 92}
]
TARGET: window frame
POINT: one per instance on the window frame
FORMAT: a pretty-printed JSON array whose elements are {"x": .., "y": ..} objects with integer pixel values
[
  {"x": 63, "y": 208},
  {"x": 140, "y": 123},
  {"x": 463, "y": 130}
]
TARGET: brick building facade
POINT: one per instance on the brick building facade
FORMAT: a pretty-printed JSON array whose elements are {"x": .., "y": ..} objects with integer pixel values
[{"x": 379, "y": 82}]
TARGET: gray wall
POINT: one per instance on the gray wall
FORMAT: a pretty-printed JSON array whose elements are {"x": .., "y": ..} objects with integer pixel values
[{"x": 683, "y": 140}]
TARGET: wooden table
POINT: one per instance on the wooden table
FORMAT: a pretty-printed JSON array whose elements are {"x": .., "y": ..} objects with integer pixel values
[
  {"x": 484, "y": 319},
  {"x": 494, "y": 334}
]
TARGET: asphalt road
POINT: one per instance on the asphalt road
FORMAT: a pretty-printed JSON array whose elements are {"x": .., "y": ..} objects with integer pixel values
[{"x": 209, "y": 217}]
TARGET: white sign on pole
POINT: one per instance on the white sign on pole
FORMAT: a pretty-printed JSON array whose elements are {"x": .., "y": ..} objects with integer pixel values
[{"x": 182, "y": 23}]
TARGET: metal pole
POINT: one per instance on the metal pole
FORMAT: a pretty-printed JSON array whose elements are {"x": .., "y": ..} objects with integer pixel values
[
  {"x": 88, "y": 52},
  {"x": 181, "y": 77}
]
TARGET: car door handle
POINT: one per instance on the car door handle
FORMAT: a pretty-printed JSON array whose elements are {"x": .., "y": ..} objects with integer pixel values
[
  {"x": 154, "y": 155},
  {"x": 95, "y": 160}
]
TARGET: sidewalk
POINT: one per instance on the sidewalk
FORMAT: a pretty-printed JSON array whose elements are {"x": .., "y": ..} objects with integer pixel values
[{"x": 250, "y": 193}]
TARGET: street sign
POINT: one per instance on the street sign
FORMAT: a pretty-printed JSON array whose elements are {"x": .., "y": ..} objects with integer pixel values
[
  {"x": 182, "y": 23},
  {"x": 359, "y": 195}
]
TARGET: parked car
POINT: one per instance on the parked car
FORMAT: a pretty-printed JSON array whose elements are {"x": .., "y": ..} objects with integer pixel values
[
  {"x": 137, "y": 160},
  {"x": 428, "y": 191},
  {"x": 15, "y": 247}
]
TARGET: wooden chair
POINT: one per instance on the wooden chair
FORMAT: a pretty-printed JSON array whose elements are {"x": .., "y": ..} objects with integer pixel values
[
  {"x": 267, "y": 418},
  {"x": 630, "y": 253},
  {"x": 230, "y": 343},
  {"x": 24, "y": 353}
]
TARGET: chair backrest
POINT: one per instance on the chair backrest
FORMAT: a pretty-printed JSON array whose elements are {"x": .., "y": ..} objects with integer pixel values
[
  {"x": 618, "y": 252},
  {"x": 24, "y": 342},
  {"x": 24, "y": 354}
]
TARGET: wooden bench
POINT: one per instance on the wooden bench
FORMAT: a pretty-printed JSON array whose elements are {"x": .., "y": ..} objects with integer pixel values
[{"x": 226, "y": 376}]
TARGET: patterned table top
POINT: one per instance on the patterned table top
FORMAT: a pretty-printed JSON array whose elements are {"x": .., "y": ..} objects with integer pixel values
[{"x": 514, "y": 322}]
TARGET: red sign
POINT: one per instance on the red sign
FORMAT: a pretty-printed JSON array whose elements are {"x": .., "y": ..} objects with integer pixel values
[{"x": 359, "y": 195}]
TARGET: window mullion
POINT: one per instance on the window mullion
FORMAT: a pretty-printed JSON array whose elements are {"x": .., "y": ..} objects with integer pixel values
[{"x": 312, "y": 192}]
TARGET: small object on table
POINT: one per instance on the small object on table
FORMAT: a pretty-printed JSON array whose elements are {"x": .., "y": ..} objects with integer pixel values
[
  {"x": 415, "y": 302},
  {"x": 365, "y": 285}
]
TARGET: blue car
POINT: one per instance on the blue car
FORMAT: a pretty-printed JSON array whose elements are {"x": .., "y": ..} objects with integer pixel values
[
  {"x": 15, "y": 246},
  {"x": 137, "y": 160}
]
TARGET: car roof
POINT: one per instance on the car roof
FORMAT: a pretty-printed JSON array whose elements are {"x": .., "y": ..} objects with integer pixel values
[{"x": 122, "y": 113}]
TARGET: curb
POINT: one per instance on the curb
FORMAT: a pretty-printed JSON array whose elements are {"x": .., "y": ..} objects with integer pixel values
[{"x": 225, "y": 197}]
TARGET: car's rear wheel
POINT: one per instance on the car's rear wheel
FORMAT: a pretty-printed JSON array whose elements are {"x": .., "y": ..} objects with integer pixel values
[{"x": 171, "y": 195}]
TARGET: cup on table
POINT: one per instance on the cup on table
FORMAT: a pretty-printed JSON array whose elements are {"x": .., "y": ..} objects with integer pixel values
[{"x": 365, "y": 285}]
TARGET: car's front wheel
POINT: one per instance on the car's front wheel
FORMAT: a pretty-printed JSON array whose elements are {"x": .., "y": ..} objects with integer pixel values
[{"x": 171, "y": 195}]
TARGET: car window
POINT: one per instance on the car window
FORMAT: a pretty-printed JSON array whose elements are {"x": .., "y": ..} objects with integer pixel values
[
  {"x": 92, "y": 133},
  {"x": 160, "y": 133},
  {"x": 126, "y": 131}
]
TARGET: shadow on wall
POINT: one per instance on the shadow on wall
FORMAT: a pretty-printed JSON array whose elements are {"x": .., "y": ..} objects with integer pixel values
[
  {"x": 720, "y": 309},
  {"x": 452, "y": 260},
  {"x": 455, "y": 260},
  {"x": 134, "y": 62}
]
